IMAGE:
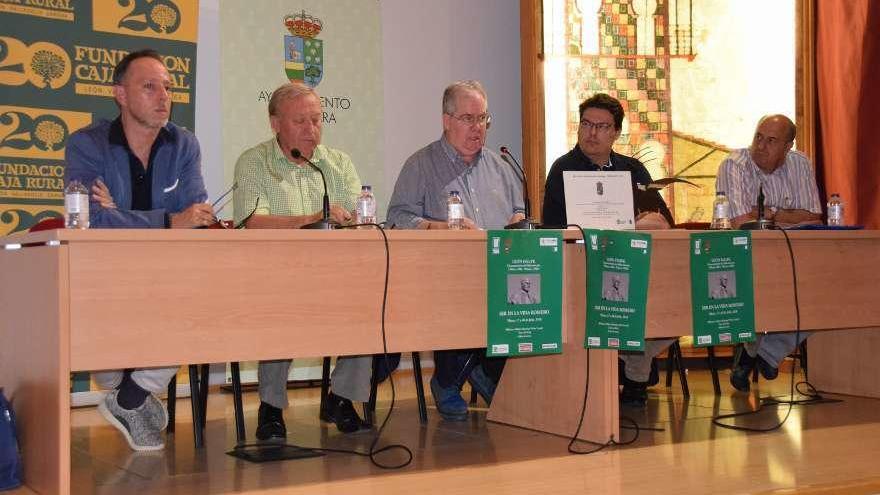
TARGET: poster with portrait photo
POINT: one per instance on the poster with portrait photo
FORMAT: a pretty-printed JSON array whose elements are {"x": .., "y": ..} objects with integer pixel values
[
  {"x": 523, "y": 292},
  {"x": 618, "y": 265},
  {"x": 524, "y": 289},
  {"x": 615, "y": 286},
  {"x": 722, "y": 292},
  {"x": 722, "y": 284}
]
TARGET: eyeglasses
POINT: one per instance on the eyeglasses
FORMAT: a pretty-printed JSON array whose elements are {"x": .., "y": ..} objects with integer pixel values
[
  {"x": 484, "y": 119},
  {"x": 599, "y": 126}
]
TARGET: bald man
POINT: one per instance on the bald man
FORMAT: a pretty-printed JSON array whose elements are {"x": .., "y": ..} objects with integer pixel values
[{"x": 791, "y": 197}]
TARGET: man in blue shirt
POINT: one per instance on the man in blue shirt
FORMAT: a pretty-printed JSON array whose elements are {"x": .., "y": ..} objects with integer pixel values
[
  {"x": 491, "y": 195},
  {"x": 144, "y": 172}
]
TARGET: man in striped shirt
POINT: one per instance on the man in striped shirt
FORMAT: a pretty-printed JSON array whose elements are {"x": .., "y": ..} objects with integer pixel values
[
  {"x": 791, "y": 197},
  {"x": 785, "y": 175}
]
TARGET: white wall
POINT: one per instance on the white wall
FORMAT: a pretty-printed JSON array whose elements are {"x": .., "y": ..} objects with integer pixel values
[
  {"x": 208, "y": 121},
  {"x": 427, "y": 45}
]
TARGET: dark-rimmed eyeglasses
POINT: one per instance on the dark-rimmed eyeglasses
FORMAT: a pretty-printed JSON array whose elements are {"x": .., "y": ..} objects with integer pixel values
[{"x": 599, "y": 126}]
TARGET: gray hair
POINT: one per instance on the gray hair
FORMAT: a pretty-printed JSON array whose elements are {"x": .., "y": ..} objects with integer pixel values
[
  {"x": 288, "y": 91},
  {"x": 453, "y": 90},
  {"x": 791, "y": 128}
]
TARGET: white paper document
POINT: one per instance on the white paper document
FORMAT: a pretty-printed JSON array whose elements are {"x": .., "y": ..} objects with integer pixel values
[{"x": 599, "y": 200}]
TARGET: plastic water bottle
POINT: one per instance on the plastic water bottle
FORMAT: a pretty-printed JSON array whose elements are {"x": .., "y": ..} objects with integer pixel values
[
  {"x": 76, "y": 206},
  {"x": 720, "y": 212},
  {"x": 454, "y": 211},
  {"x": 835, "y": 210},
  {"x": 366, "y": 206}
]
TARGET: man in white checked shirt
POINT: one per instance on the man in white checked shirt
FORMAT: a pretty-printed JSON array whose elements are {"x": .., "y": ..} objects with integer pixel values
[
  {"x": 786, "y": 175},
  {"x": 276, "y": 190},
  {"x": 791, "y": 197}
]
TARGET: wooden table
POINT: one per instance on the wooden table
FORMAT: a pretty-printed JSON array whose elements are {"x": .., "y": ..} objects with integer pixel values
[{"x": 71, "y": 300}]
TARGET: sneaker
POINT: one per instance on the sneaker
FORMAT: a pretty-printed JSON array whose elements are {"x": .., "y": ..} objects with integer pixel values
[
  {"x": 139, "y": 426},
  {"x": 449, "y": 402},
  {"x": 157, "y": 410},
  {"x": 270, "y": 423},
  {"x": 741, "y": 375},
  {"x": 482, "y": 384},
  {"x": 341, "y": 411}
]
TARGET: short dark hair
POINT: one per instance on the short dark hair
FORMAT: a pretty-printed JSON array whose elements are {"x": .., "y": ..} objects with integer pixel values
[
  {"x": 605, "y": 102},
  {"x": 122, "y": 66}
]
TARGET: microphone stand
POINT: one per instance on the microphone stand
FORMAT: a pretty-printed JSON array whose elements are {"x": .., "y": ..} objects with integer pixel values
[
  {"x": 526, "y": 223},
  {"x": 761, "y": 223},
  {"x": 324, "y": 223}
]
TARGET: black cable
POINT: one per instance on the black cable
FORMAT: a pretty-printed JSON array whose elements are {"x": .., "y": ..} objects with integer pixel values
[
  {"x": 813, "y": 397},
  {"x": 611, "y": 441},
  {"x": 373, "y": 452}
]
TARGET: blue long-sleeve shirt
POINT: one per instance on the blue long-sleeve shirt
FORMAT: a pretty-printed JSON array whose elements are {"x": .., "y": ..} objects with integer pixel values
[{"x": 490, "y": 190}]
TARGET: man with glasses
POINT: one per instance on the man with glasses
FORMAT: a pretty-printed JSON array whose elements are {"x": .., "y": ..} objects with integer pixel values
[
  {"x": 144, "y": 172},
  {"x": 600, "y": 126},
  {"x": 789, "y": 185},
  {"x": 277, "y": 189},
  {"x": 491, "y": 194}
]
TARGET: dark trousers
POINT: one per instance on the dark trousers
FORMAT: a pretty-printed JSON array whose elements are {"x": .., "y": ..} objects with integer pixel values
[{"x": 451, "y": 368}]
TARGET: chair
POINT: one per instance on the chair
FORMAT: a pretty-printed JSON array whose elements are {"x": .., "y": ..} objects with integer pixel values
[{"x": 674, "y": 360}]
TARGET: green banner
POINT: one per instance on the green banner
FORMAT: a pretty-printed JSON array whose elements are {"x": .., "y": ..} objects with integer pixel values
[
  {"x": 722, "y": 294},
  {"x": 524, "y": 292},
  {"x": 617, "y": 289}
]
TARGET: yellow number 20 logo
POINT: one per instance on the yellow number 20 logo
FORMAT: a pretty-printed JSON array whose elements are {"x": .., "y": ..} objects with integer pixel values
[{"x": 43, "y": 64}]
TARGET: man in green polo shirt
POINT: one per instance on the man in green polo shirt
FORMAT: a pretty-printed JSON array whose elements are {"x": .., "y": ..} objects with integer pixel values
[{"x": 277, "y": 191}]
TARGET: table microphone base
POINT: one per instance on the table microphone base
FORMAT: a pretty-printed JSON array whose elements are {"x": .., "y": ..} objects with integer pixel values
[
  {"x": 523, "y": 224},
  {"x": 321, "y": 225},
  {"x": 760, "y": 224}
]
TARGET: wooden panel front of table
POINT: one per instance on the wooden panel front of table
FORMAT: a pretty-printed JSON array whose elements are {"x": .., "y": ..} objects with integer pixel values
[{"x": 72, "y": 300}]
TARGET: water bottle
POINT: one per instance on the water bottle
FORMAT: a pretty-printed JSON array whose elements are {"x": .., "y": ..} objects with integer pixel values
[
  {"x": 454, "y": 211},
  {"x": 835, "y": 210},
  {"x": 76, "y": 206},
  {"x": 720, "y": 212},
  {"x": 366, "y": 206}
]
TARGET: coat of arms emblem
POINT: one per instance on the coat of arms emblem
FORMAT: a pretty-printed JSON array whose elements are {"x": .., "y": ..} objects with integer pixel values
[{"x": 303, "y": 52}]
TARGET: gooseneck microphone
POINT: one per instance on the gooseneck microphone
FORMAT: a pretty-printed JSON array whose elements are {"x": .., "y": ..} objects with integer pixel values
[
  {"x": 526, "y": 223},
  {"x": 324, "y": 223}
]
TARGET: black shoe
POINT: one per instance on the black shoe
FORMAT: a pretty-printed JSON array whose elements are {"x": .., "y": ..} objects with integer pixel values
[
  {"x": 634, "y": 394},
  {"x": 270, "y": 423},
  {"x": 741, "y": 376},
  {"x": 767, "y": 370},
  {"x": 341, "y": 411}
]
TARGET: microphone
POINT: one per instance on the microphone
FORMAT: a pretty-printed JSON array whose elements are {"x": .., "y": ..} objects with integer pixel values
[
  {"x": 761, "y": 223},
  {"x": 526, "y": 223},
  {"x": 324, "y": 223},
  {"x": 761, "y": 199},
  {"x": 218, "y": 200}
]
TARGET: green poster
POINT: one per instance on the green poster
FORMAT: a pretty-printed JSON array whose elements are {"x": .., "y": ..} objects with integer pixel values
[
  {"x": 722, "y": 294},
  {"x": 618, "y": 264},
  {"x": 524, "y": 293}
]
